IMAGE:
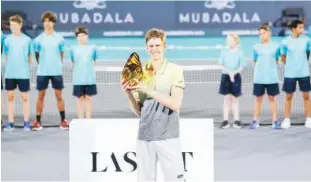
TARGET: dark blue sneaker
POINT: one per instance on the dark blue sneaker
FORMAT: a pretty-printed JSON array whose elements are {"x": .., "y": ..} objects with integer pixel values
[
  {"x": 254, "y": 124},
  {"x": 9, "y": 126},
  {"x": 276, "y": 125},
  {"x": 27, "y": 126}
]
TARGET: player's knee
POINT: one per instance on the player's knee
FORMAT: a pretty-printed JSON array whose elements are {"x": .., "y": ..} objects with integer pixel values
[
  {"x": 59, "y": 97},
  {"x": 11, "y": 97},
  {"x": 25, "y": 98},
  {"x": 271, "y": 98},
  {"x": 234, "y": 100},
  {"x": 289, "y": 97},
  {"x": 259, "y": 99},
  {"x": 305, "y": 96},
  {"x": 87, "y": 98},
  {"x": 41, "y": 96}
]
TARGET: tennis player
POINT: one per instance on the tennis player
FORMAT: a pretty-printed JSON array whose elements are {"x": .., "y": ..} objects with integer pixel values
[
  {"x": 83, "y": 57},
  {"x": 17, "y": 52},
  {"x": 49, "y": 49},
  {"x": 232, "y": 62},
  {"x": 295, "y": 52},
  {"x": 158, "y": 104},
  {"x": 266, "y": 79}
]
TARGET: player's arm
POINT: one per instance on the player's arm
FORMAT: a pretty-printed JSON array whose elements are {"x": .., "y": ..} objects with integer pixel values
[
  {"x": 95, "y": 54},
  {"x": 62, "y": 54},
  {"x": 37, "y": 48},
  {"x": 283, "y": 52},
  {"x": 278, "y": 55},
  {"x": 30, "y": 51},
  {"x": 5, "y": 50},
  {"x": 135, "y": 105},
  {"x": 255, "y": 55},
  {"x": 61, "y": 48},
  {"x": 29, "y": 59},
  {"x": 174, "y": 100},
  {"x": 242, "y": 62}
]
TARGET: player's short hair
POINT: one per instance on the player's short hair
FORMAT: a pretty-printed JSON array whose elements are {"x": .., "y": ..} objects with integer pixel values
[
  {"x": 295, "y": 23},
  {"x": 51, "y": 16},
  {"x": 155, "y": 33},
  {"x": 16, "y": 18},
  {"x": 235, "y": 36},
  {"x": 79, "y": 30},
  {"x": 264, "y": 27}
]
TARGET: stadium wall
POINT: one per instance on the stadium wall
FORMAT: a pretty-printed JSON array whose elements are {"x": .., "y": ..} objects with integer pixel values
[{"x": 179, "y": 18}]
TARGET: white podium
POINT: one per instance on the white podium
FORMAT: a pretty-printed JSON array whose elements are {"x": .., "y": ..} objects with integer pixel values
[{"x": 104, "y": 150}]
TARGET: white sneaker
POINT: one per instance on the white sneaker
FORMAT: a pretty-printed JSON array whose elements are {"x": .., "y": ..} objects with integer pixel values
[
  {"x": 308, "y": 123},
  {"x": 285, "y": 123}
]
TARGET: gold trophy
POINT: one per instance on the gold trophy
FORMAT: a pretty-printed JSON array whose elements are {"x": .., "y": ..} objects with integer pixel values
[{"x": 134, "y": 73}]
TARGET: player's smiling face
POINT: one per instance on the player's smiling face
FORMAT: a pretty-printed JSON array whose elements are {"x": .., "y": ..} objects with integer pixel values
[{"x": 156, "y": 48}]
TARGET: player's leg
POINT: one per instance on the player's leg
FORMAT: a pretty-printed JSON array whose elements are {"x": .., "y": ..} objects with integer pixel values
[
  {"x": 88, "y": 106},
  {"x": 10, "y": 85},
  {"x": 224, "y": 90},
  {"x": 146, "y": 161},
  {"x": 258, "y": 92},
  {"x": 305, "y": 87},
  {"x": 79, "y": 94},
  {"x": 273, "y": 91},
  {"x": 2, "y": 106},
  {"x": 170, "y": 158},
  {"x": 289, "y": 87},
  {"x": 58, "y": 85},
  {"x": 42, "y": 85},
  {"x": 236, "y": 93},
  {"x": 80, "y": 108},
  {"x": 24, "y": 87},
  {"x": 90, "y": 91}
]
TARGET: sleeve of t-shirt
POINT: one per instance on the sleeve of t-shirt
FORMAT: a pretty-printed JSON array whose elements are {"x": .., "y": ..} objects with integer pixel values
[
  {"x": 30, "y": 47},
  {"x": 61, "y": 44},
  {"x": 36, "y": 45},
  {"x": 284, "y": 48},
  {"x": 71, "y": 55},
  {"x": 278, "y": 53},
  {"x": 255, "y": 54},
  {"x": 94, "y": 54},
  {"x": 178, "y": 78},
  {"x": 6, "y": 46}
]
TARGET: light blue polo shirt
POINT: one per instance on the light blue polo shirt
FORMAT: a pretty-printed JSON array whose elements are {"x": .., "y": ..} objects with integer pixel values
[{"x": 232, "y": 59}]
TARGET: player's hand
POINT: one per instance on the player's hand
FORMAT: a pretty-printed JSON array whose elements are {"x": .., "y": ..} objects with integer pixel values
[
  {"x": 125, "y": 86},
  {"x": 231, "y": 77},
  {"x": 142, "y": 88}
]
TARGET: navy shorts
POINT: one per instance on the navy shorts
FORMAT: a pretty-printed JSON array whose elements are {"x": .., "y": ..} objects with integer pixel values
[
  {"x": 289, "y": 85},
  {"x": 22, "y": 84},
  {"x": 1, "y": 85},
  {"x": 81, "y": 90},
  {"x": 228, "y": 87},
  {"x": 43, "y": 82},
  {"x": 260, "y": 89}
]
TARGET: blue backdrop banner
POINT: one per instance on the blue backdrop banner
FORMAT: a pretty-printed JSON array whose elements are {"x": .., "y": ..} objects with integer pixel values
[{"x": 198, "y": 18}]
